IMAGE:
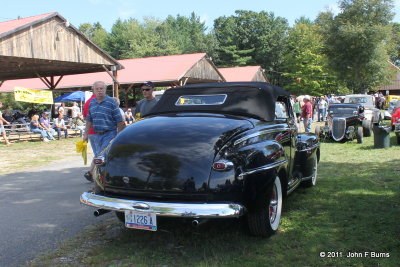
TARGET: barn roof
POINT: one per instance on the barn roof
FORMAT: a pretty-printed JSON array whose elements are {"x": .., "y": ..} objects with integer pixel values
[
  {"x": 163, "y": 71},
  {"x": 244, "y": 74},
  {"x": 47, "y": 45}
]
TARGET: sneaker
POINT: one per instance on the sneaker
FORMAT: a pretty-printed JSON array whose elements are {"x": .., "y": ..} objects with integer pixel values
[
  {"x": 88, "y": 176},
  {"x": 46, "y": 139}
]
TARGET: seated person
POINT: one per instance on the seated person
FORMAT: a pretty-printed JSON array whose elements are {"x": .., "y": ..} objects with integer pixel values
[
  {"x": 35, "y": 127},
  {"x": 59, "y": 125},
  {"x": 45, "y": 124},
  {"x": 78, "y": 123},
  {"x": 129, "y": 117}
]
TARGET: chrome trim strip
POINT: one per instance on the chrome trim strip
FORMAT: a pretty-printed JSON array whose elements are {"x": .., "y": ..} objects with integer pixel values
[
  {"x": 204, "y": 210},
  {"x": 263, "y": 168},
  {"x": 255, "y": 135},
  {"x": 309, "y": 148},
  {"x": 294, "y": 186},
  {"x": 306, "y": 178}
]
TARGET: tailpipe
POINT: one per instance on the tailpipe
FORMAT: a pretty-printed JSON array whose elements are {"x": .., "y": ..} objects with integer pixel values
[
  {"x": 99, "y": 212},
  {"x": 198, "y": 222}
]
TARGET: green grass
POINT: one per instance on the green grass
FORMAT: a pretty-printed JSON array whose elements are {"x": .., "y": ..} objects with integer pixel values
[{"x": 355, "y": 207}]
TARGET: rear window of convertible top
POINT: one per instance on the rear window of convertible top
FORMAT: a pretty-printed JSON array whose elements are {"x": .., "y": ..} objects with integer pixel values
[{"x": 200, "y": 100}]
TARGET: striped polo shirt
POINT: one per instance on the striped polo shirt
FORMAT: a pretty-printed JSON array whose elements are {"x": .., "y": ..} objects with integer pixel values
[{"x": 105, "y": 115}]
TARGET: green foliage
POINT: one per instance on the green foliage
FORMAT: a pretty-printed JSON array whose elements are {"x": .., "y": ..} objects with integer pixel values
[
  {"x": 355, "y": 43},
  {"x": 248, "y": 37},
  {"x": 96, "y": 33},
  {"x": 304, "y": 63},
  {"x": 394, "y": 45}
]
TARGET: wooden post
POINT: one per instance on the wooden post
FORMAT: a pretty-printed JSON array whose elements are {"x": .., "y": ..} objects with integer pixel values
[{"x": 116, "y": 85}]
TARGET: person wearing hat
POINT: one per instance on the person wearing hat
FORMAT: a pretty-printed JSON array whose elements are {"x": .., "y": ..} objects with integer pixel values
[
  {"x": 129, "y": 116},
  {"x": 144, "y": 106},
  {"x": 306, "y": 114},
  {"x": 45, "y": 124}
]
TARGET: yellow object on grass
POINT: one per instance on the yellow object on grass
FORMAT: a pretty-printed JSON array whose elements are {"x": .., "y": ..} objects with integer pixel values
[{"x": 81, "y": 146}]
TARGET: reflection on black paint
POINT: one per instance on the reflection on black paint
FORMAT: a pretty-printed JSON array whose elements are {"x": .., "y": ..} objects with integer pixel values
[{"x": 162, "y": 165}]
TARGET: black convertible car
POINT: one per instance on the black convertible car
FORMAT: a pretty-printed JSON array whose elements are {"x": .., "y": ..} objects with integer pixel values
[{"x": 214, "y": 150}]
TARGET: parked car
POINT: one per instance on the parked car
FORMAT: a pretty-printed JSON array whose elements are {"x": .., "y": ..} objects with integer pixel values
[
  {"x": 371, "y": 113},
  {"x": 212, "y": 150},
  {"x": 391, "y": 98},
  {"x": 393, "y": 105},
  {"x": 395, "y": 123},
  {"x": 344, "y": 122}
]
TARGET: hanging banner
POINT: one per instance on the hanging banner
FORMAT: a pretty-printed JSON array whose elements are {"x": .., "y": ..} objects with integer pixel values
[{"x": 33, "y": 96}]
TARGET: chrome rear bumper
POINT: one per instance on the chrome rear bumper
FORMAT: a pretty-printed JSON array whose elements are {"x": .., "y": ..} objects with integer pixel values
[{"x": 204, "y": 210}]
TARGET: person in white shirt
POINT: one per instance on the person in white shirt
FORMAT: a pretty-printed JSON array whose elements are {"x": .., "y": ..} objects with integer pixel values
[
  {"x": 59, "y": 125},
  {"x": 322, "y": 104},
  {"x": 129, "y": 118},
  {"x": 75, "y": 110}
]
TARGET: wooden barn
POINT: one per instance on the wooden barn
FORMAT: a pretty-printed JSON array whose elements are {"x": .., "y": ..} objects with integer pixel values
[
  {"x": 244, "y": 74},
  {"x": 394, "y": 87},
  {"x": 46, "y": 46}
]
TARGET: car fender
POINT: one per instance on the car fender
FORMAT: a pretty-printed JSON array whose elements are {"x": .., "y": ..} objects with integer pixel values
[{"x": 307, "y": 148}]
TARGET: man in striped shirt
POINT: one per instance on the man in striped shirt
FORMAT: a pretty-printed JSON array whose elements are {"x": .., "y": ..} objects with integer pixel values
[{"x": 105, "y": 118}]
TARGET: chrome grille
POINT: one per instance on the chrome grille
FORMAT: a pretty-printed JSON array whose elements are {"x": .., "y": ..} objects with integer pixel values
[{"x": 338, "y": 128}]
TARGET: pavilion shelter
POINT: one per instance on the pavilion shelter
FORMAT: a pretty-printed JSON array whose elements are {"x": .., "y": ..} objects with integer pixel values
[
  {"x": 163, "y": 71},
  {"x": 244, "y": 74},
  {"x": 47, "y": 47}
]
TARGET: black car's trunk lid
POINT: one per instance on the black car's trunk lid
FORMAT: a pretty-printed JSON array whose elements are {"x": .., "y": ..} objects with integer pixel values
[{"x": 169, "y": 155}]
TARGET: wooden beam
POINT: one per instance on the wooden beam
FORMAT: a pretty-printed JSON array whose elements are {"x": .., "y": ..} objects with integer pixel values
[{"x": 44, "y": 80}]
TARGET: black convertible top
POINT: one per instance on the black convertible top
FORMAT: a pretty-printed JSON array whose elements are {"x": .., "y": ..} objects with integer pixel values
[{"x": 252, "y": 99}]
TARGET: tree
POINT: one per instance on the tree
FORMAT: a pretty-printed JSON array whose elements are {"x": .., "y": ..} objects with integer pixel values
[
  {"x": 356, "y": 43},
  {"x": 394, "y": 45},
  {"x": 305, "y": 64},
  {"x": 96, "y": 33},
  {"x": 251, "y": 38}
]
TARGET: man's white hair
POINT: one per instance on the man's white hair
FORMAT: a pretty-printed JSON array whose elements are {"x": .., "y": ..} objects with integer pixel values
[{"x": 99, "y": 82}]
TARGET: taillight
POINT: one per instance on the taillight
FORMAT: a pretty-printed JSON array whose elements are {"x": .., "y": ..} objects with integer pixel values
[
  {"x": 99, "y": 161},
  {"x": 222, "y": 165}
]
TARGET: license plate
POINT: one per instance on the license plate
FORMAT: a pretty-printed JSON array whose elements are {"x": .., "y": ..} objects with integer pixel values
[{"x": 141, "y": 220}]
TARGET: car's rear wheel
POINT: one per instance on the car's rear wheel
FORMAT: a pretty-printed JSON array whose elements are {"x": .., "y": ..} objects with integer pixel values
[
  {"x": 265, "y": 222},
  {"x": 359, "y": 135},
  {"x": 367, "y": 128},
  {"x": 311, "y": 182}
]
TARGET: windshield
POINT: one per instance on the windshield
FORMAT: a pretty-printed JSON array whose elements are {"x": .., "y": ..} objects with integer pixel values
[
  {"x": 342, "y": 111},
  {"x": 201, "y": 100},
  {"x": 358, "y": 100}
]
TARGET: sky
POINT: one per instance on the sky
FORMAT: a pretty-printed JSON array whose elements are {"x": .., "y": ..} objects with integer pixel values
[{"x": 108, "y": 11}]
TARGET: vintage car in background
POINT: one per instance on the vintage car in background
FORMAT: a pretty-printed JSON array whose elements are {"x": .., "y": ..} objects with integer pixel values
[
  {"x": 371, "y": 113},
  {"x": 344, "y": 122},
  {"x": 395, "y": 123},
  {"x": 217, "y": 150}
]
